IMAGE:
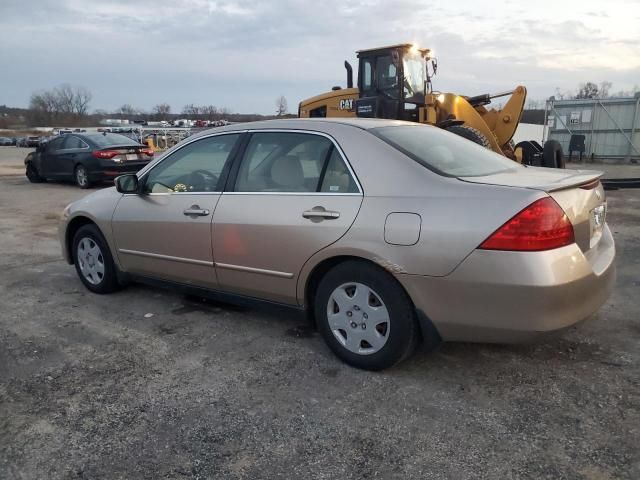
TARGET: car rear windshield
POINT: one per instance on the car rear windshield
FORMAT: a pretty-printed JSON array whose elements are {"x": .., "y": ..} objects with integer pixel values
[
  {"x": 110, "y": 140},
  {"x": 444, "y": 152}
]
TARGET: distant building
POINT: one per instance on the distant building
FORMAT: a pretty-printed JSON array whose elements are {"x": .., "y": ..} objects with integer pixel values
[{"x": 610, "y": 126}]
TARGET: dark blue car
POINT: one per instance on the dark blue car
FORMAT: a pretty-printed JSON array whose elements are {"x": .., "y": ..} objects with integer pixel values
[{"x": 86, "y": 158}]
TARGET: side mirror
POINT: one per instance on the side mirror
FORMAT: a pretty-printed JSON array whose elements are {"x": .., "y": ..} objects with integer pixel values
[{"x": 127, "y": 183}]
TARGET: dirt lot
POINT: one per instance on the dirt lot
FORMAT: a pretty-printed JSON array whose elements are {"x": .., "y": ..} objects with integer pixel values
[{"x": 146, "y": 383}]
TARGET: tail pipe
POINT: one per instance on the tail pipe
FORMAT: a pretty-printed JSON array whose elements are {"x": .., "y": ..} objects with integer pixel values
[{"x": 347, "y": 65}]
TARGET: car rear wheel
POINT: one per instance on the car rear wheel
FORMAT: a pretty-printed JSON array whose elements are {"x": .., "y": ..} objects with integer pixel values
[
  {"x": 82, "y": 177},
  {"x": 32, "y": 174},
  {"x": 365, "y": 316},
  {"x": 93, "y": 261}
]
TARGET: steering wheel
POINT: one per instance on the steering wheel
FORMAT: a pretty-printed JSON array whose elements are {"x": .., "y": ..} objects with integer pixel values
[{"x": 208, "y": 180}]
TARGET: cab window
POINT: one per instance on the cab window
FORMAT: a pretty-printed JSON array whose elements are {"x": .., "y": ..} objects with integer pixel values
[
  {"x": 367, "y": 74},
  {"x": 387, "y": 75},
  {"x": 195, "y": 168}
]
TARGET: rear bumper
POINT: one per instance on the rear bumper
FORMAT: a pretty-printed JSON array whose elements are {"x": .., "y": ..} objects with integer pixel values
[
  {"x": 111, "y": 171},
  {"x": 511, "y": 297}
]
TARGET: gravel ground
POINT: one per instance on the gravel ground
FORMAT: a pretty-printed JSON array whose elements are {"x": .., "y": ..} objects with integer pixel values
[{"x": 147, "y": 383}]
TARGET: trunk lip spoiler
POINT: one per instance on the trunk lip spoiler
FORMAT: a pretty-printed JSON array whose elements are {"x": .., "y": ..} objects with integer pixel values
[{"x": 580, "y": 178}]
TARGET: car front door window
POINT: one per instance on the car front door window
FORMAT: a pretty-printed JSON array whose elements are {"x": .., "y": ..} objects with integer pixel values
[{"x": 197, "y": 167}]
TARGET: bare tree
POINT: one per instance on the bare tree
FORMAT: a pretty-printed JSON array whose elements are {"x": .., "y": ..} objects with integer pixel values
[
  {"x": 81, "y": 99},
  {"x": 604, "y": 89},
  {"x": 191, "y": 110},
  {"x": 534, "y": 104},
  {"x": 627, "y": 93},
  {"x": 588, "y": 90},
  {"x": 562, "y": 95},
  {"x": 64, "y": 104},
  {"x": 281, "y": 106},
  {"x": 209, "y": 111},
  {"x": 161, "y": 110},
  {"x": 127, "y": 110}
]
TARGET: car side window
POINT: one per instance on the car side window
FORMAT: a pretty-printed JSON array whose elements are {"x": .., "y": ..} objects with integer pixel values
[
  {"x": 337, "y": 178},
  {"x": 55, "y": 144},
  {"x": 283, "y": 162},
  {"x": 71, "y": 142},
  {"x": 196, "y": 167}
]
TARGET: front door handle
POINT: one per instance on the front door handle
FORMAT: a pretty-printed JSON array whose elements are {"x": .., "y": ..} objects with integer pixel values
[
  {"x": 319, "y": 213},
  {"x": 196, "y": 211}
]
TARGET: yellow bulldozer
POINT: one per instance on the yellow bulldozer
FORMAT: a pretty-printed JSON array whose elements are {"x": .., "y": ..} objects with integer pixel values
[{"x": 395, "y": 82}]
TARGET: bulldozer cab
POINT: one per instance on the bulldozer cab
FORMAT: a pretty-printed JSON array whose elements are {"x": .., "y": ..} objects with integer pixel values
[{"x": 392, "y": 82}]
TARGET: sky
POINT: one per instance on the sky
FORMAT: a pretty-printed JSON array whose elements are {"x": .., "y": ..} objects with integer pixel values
[{"x": 242, "y": 55}]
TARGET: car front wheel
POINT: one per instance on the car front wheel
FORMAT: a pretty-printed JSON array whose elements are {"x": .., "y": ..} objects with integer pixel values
[
  {"x": 93, "y": 261},
  {"x": 32, "y": 174},
  {"x": 365, "y": 316}
]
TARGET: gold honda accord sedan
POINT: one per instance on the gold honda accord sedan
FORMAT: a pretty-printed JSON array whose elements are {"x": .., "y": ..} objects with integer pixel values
[{"x": 387, "y": 233}]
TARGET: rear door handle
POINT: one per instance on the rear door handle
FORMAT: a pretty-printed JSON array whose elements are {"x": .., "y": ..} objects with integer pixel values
[
  {"x": 196, "y": 211},
  {"x": 320, "y": 213}
]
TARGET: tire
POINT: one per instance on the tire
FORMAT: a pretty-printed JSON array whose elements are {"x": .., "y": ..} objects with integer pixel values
[
  {"x": 32, "y": 174},
  {"x": 93, "y": 261},
  {"x": 371, "y": 297},
  {"x": 552, "y": 156},
  {"x": 81, "y": 176},
  {"x": 470, "y": 134},
  {"x": 530, "y": 153}
]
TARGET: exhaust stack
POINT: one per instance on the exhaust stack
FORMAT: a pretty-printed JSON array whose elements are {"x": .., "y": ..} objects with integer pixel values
[{"x": 347, "y": 65}]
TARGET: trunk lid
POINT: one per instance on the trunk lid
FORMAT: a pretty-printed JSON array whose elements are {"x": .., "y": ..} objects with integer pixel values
[{"x": 578, "y": 192}]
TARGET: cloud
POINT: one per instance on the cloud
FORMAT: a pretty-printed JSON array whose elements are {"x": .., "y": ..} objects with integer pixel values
[{"x": 243, "y": 54}]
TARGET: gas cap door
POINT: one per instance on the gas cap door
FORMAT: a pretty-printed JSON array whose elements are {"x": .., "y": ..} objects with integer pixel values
[{"x": 402, "y": 228}]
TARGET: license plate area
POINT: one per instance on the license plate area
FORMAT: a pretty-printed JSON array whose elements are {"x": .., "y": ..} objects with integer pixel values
[
  {"x": 597, "y": 219},
  {"x": 131, "y": 156}
]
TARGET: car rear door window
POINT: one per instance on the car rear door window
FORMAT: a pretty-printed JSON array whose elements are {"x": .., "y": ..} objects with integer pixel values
[
  {"x": 54, "y": 145},
  {"x": 199, "y": 166},
  {"x": 287, "y": 162},
  {"x": 71, "y": 142},
  {"x": 337, "y": 178}
]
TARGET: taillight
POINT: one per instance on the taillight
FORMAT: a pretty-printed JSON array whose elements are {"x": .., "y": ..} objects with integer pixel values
[
  {"x": 105, "y": 154},
  {"x": 543, "y": 225},
  {"x": 147, "y": 151}
]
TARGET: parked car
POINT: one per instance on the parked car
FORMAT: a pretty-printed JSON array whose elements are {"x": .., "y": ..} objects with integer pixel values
[
  {"x": 386, "y": 233},
  {"x": 33, "y": 141},
  {"x": 86, "y": 158},
  {"x": 21, "y": 142},
  {"x": 5, "y": 141}
]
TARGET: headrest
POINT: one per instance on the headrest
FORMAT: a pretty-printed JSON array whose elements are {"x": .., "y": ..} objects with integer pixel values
[{"x": 287, "y": 172}]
